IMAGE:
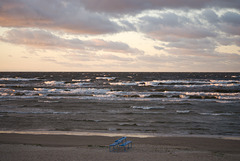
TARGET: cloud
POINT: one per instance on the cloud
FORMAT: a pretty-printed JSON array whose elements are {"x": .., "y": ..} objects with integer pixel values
[
  {"x": 55, "y": 15},
  {"x": 198, "y": 33},
  {"x": 232, "y": 18},
  {"x": 182, "y": 32},
  {"x": 158, "y": 47},
  {"x": 200, "y": 45},
  {"x": 210, "y": 16},
  {"x": 133, "y": 6},
  {"x": 183, "y": 62},
  {"x": 41, "y": 39},
  {"x": 230, "y": 23},
  {"x": 173, "y": 27}
]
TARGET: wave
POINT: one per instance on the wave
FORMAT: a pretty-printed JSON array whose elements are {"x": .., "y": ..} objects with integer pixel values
[
  {"x": 110, "y": 93},
  {"x": 32, "y": 111},
  {"x": 217, "y": 114},
  {"x": 18, "y": 79},
  {"x": 107, "y": 78},
  {"x": 127, "y": 124},
  {"x": 54, "y": 82},
  {"x": 148, "y": 107},
  {"x": 180, "y": 83},
  {"x": 81, "y": 80},
  {"x": 183, "y": 111},
  {"x": 124, "y": 84},
  {"x": 225, "y": 102},
  {"x": 42, "y": 101}
]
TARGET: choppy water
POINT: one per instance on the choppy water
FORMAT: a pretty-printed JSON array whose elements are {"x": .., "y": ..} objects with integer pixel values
[{"x": 161, "y": 103}]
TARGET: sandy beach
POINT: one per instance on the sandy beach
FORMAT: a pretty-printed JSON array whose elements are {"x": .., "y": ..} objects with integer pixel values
[{"x": 24, "y": 147}]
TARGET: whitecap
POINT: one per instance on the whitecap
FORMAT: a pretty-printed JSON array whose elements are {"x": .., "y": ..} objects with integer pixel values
[
  {"x": 47, "y": 101},
  {"x": 124, "y": 84},
  {"x": 81, "y": 80},
  {"x": 106, "y": 78},
  {"x": 183, "y": 111},
  {"x": 183, "y": 96},
  {"x": 225, "y": 101},
  {"x": 54, "y": 82},
  {"x": 148, "y": 107},
  {"x": 18, "y": 79},
  {"x": 217, "y": 114},
  {"x": 87, "y": 91},
  {"x": 77, "y": 84}
]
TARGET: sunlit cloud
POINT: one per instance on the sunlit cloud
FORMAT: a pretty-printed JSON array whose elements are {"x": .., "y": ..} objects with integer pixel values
[
  {"x": 126, "y": 35},
  {"x": 46, "y": 40}
]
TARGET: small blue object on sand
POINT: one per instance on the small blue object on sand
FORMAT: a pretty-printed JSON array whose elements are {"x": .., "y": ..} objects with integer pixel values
[
  {"x": 126, "y": 145},
  {"x": 122, "y": 142}
]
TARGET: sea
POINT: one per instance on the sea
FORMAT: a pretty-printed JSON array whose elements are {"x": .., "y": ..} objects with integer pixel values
[{"x": 121, "y": 102}]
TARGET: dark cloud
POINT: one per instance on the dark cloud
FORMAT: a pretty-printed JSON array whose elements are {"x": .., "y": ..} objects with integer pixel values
[
  {"x": 230, "y": 23},
  {"x": 132, "y": 6},
  {"x": 95, "y": 17},
  {"x": 171, "y": 27},
  {"x": 232, "y": 18},
  {"x": 210, "y": 16},
  {"x": 55, "y": 15}
]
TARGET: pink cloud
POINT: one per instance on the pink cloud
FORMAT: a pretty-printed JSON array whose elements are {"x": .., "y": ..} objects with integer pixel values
[{"x": 40, "y": 39}]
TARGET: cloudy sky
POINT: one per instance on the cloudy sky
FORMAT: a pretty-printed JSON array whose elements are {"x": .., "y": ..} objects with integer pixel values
[{"x": 120, "y": 35}]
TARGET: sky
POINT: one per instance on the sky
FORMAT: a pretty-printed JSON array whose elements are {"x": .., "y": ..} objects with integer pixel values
[{"x": 120, "y": 35}]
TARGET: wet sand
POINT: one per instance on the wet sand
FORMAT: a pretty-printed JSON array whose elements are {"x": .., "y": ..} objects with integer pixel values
[{"x": 24, "y": 147}]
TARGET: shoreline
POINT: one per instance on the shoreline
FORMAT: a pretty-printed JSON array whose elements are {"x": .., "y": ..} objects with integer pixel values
[
  {"x": 59, "y": 147},
  {"x": 106, "y": 134}
]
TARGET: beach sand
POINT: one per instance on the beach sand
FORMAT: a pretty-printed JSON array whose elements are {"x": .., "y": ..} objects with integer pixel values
[{"x": 28, "y": 147}]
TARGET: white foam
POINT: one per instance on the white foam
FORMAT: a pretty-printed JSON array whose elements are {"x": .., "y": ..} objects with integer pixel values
[
  {"x": 18, "y": 79},
  {"x": 148, "y": 107},
  {"x": 81, "y": 80},
  {"x": 54, "y": 82},
  {"x": 183, "y": 111},
  {"x": 216, "y": 94},
  {"x": 180, "y": 83},
  {"x": 107, "y": 78},
  {"x": 48, "y": 101},
  {"x": 47, "y": 90},
  {"x": 217, "y": 114},
  {"x": 183, "y": 96},
  {"x": 77, "y": 84},
  {"x": 124, "y": 84},
  {"x": 87, "y": 91},
  {"x": 4, "y": 94},
  {"x": 221, "y": 101}
]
